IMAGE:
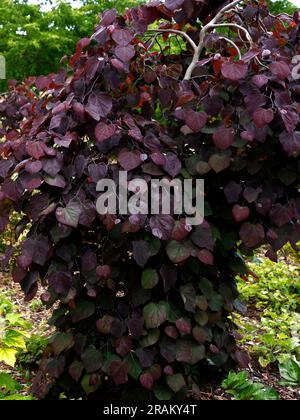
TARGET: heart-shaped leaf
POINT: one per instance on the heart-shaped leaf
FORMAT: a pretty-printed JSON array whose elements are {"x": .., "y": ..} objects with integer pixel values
[
  {"x": 234, "y": 71},
  {"x": 149, "y": 278},
  {"x": 155, "y": 314}
]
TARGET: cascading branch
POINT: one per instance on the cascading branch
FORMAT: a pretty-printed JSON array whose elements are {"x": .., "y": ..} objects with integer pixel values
[{"x": 167, "y": 90}]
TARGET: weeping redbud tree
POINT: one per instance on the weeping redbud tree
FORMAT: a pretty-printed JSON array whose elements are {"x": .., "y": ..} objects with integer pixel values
[{"x": 180, "y": 89}]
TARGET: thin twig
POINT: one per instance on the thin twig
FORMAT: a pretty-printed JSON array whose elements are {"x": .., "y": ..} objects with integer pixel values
[
  {"x": 236, "y": 26},
  {"x": 203, "y": 32},
  {"x": 233, "y": 44},
  {"x": 175, "y": 31}
]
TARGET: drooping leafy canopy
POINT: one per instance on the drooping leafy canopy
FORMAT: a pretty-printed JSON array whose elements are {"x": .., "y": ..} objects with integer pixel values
[
  {"x": 33, "y": 39},
  {"x": 144, "y": 301}
]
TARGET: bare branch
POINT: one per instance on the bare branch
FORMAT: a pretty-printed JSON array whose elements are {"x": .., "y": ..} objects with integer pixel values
[
  {"x": 212, "y": 24},
  {"x": 175, "y": 31},
  {"x": 235, "y": 25},
  {"x": 203, "y": 32},
  {"x": 224, "y": 10},
  {"x": 233, "y": 44}
]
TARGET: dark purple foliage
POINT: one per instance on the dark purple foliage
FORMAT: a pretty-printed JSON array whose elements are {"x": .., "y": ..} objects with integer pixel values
[{"x": 138, "y": 300}]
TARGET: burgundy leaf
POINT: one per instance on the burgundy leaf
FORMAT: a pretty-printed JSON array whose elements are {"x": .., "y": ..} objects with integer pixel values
[
  {"x": 260, "y": 80},
  {"x": 183, "y": 326},
  {"x": 240, "y": 213},
  {"x": 82, "y": 43},
  {"x": 118, "y": 371},
  {"x": 263, "y": 117},
  {"x": 141, "y": 252},
  {"x": 99, "y": 105},
  {"x": 280, "y": 215},
  {"x": 174, "y": 4},
  {"x": 35, "y": 149},
  {"x": 158, "y": 158},
  {"x": 162, "y": 226},
  {"x": 108, "y": 17},
  {"x": 224, "y": 138},
  {"x": 60, "y": 282},
  {"x": 130, "y": 160},
  {"x": 103, "y": 272},
  {"x": 125, "y": 53},
  {"x": 252, "y": 235},
  {"x": 69, "y": 215},
  {"x": 290, "y": 142},
  {"x": 172, "y": 165},
  {"x": 235, "y": 71},
  {"x": 290, "y": 118},
  {"x": 203, "y": 238},
  {"x": 123, "y": 345},
  {"x": 104, "y": 131},
  {"x": 232, "y": 192},
  {"x": 219, "y": 162},
  {"x": 122, "y": 37},
  {"x": 58, "y": 181},
  {"x": 5, "y": 166},
  {"x": 280, "y": 69},
  {"x": 251, "y": 194},
  {"x": 147, "y": 381},
  {"x": 88, "y": 261},
  {"x": 118, "y": 64},
  {"x": 196, "y": 120},
  {"x": 206, "y": 257}
]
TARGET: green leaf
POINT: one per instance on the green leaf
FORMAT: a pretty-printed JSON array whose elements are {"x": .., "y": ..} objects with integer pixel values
[
  {"x": 151, "y": 339},
  {"x": 162, "y": 393},
  {"x": 84, "y": 309},
  {"x": 155, "y": 314},
  {"x": 201, "y": 318},
  {"x": 188, "y": 295},
  {"x": 69, "y": 215},
  {"x": 176, "y": 382},
  {"x": 90, "y": 383},
  {"x": 290, "y": 372},
  {"x": 16, "y": 320},
  {"x": 178, "y": 252},
  {"x": 150, "y": 278},
  {"x": 15, "y": 339},
  {"x": 8, "y": 356},
  {"x": 216, "y": 302},
  {"x": 134, "y": 368},
  {"x": 92, "y": 359},
  {"x": 238, "y": 385},
  {"x": 62, "y": 342},
  {"x": 17, "y": 397},
  {"x": 8, "y": 383},
  {"x": 189, "y": 352}
]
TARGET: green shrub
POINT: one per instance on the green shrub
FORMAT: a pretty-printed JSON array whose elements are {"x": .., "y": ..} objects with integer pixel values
[
  {"x": 35, "y": 348},
  {"x": 13, "y": 331},
  {"x": 275, "y": 296},
  {"x": 241, "y": 388},
  {"x": 290, "y": 372},
  {"x": 10, "y": 389}
]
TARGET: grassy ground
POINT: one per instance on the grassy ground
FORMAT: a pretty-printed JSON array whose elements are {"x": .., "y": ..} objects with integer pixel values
[{"x": 269, "y": 322}]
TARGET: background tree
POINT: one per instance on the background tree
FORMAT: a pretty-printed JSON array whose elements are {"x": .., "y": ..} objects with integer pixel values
[
  {"x": 33, "y": 41},
  {"x": 282, "y": 6}
]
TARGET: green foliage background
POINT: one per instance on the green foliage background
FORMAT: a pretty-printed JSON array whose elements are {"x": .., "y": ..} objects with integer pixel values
[
  {"x": 282, "y": 6},
  {"x": 33, "y": 41}
]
